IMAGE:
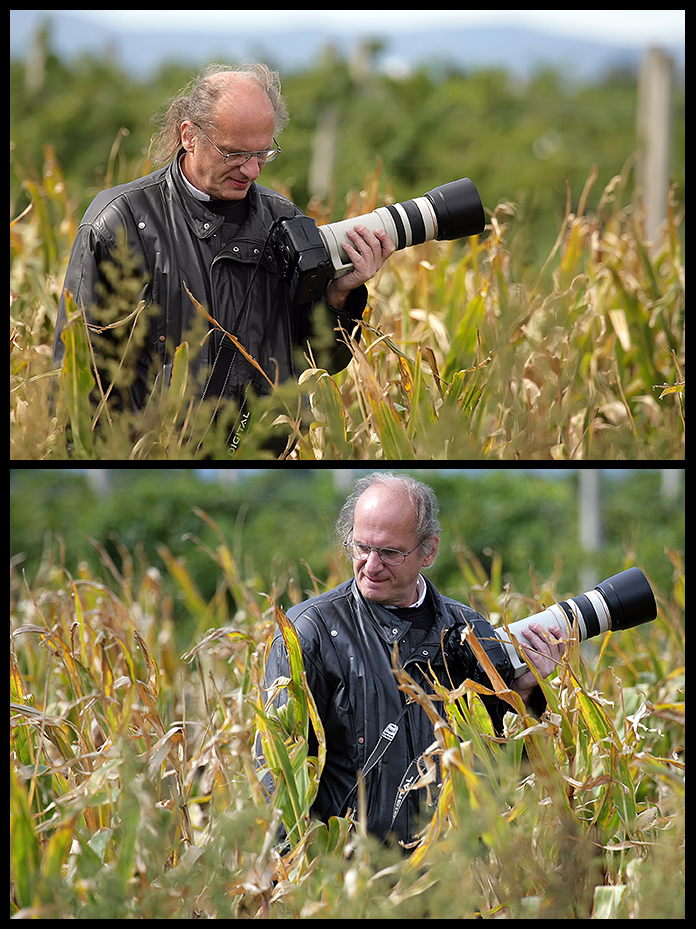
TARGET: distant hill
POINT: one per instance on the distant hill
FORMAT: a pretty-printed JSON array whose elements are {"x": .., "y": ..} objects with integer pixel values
[{"x": 520, "y": 51}]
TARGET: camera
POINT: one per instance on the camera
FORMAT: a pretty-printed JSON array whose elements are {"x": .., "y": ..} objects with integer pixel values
[
  {"x": 311, "y": 256},
  {"x": 620, "y": 602}
]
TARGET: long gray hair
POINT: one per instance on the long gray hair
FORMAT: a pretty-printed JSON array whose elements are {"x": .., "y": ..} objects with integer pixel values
[
  {"x": 197, "y": 103},
  {"x": 420, "y": 495}
]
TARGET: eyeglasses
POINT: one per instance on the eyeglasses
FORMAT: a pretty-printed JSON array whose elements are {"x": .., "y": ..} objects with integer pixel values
[
  {"x": 390, "y": 556},
  {"x": 241, "y": 158}
]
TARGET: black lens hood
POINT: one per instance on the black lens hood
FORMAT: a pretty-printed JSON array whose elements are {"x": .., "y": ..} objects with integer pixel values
[
  {"x": 458, "y": 209},
  {"x": 630, "y": 599}
]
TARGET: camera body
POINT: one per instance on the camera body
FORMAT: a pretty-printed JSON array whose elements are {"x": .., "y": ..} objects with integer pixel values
[
  {"x": 304, "y": 260},
  {"x": 311, "y": 256},
  {"x": 620, "y": 602}
]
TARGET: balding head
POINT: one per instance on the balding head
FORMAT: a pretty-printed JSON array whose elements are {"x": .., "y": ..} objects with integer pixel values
[
  {"x": 198, "y": 103},
  {"x": 240, "y": 94},
  {"x": 239, "y": 117},
  {"x": 392, "y": 518},
  {"x": 420, "y": 498}
]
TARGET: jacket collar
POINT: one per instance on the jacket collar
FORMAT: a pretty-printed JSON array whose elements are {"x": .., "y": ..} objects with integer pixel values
[
  {"x": 390, "y": 627},
  {"x": 203, "y": 222}
]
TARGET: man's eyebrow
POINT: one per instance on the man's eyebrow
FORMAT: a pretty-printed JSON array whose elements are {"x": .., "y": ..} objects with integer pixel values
[{"x": 381, "y": 548}]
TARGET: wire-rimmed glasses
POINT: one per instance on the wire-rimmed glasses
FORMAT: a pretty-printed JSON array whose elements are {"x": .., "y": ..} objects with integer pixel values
[
  {"x": 236, "y": 159},
  {"x": 389, "y": 556}
]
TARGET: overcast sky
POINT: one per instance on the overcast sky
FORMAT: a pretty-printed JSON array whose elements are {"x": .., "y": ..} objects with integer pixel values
[{"x": 618, "y": 26}]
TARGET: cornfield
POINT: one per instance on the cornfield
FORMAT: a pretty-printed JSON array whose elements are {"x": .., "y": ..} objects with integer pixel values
[
  {"x": 134, "y": 793},
  {"x": 463, "y": 355}
]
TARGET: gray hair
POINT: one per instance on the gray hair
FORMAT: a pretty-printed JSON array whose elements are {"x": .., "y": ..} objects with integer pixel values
[
  {"x": 197, "y": 103},
  {"x": 420, "y": 495}
]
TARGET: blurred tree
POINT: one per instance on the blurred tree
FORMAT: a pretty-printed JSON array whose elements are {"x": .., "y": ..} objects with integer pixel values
[
  {"x": 525, "y": 143},
  {"x": 281, "y": 518}
]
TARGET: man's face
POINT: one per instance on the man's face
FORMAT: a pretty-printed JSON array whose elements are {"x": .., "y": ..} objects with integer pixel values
[
  {"x": 244, "y": 121},
  {"x": 384, "y": 518}
]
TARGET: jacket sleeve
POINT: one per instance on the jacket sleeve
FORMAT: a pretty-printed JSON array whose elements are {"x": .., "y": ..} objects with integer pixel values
[
  {"x": 346, "y": 319},
  {"x": 322, "y": 324},
  {"x": 277, "y": 666},
  {"x": 81, "y": 282},
  {"x": 89, "y": 285}
]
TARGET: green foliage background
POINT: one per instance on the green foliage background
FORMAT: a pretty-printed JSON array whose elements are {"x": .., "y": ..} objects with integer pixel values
[
  {"x": 132, "y": 785},
  {"x": 525, "y": 142},
  {"x": 556, "y": 335},
  {"x": 508, "y": 521}
]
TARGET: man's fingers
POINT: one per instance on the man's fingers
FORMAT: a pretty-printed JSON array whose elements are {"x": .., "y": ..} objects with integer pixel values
[
  {"x": 367, "y": 243},
  {"x": 546, "y": 641}
]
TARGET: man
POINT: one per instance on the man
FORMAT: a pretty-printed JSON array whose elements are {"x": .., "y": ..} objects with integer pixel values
[
  {"x": 201, "y": 224},
  {"x": 390, "y": 527}
]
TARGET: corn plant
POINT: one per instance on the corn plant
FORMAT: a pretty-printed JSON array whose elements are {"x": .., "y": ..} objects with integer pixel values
[
  {"x": 463, "y": 353},
  {"x": 135, "y": 791}
]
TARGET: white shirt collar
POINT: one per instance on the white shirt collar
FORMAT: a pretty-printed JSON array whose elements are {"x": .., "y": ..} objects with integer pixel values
[
  {"x": 194, "y": 191},
  {"x": 421, "y": 590}
]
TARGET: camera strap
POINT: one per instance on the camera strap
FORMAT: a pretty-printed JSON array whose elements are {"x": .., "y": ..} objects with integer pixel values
[
  {"x": 414, "y": 771},
  {"x": 386, "y": 738}
]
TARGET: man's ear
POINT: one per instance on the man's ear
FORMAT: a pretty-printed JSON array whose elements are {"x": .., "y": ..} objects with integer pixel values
[
  {"x": 189, "y": 136},
  {"x": 430, "y": 557}
]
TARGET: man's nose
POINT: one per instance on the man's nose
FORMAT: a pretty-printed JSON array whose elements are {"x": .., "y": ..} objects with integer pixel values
[
  {"x": 251, "y": 168},
  {"x": 373, "y": 561}
]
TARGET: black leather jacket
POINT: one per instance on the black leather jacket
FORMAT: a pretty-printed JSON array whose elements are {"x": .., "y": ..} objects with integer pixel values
[
  {"x": 230, "y": 270},
  {"x": 347, "y": 643}
]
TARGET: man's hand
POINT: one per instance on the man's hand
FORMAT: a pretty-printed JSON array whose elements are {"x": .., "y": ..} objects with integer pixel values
[
  {"x": 367, "y": 251},
  {"x": 545, "y": 651}
]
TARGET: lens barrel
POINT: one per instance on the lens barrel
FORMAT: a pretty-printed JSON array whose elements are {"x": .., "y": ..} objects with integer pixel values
[
  {"x": 620, "y": 602},
  {"x": 451, "y": 211}
]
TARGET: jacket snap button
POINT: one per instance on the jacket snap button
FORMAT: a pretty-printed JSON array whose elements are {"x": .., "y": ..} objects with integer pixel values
[
  {"x": 361, "y": 740},
  {"x": 141, "y": 225},
  {"x": 163, "y": 338},
  {"x": 334, "y": 632}
]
